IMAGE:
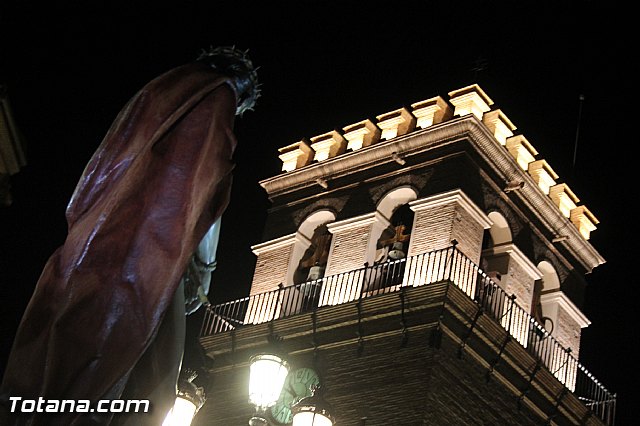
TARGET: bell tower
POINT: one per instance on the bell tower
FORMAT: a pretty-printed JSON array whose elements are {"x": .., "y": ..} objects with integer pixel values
[{"x": 425, "y": 267}]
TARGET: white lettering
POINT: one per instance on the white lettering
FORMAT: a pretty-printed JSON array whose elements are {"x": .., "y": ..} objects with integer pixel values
[
  {"x": 100, "y": 404},
  {"x": 28, "y": 406},
  {"x": 117, "y": 406},
  {"x": 68, "y": 402},
  {"x": 39, "y": 408},
  {"x": 83, "y": 406},
  {"x": 14, "y": 400},
  {"x": 53, "y": 406},
  {"x": 137, "y": 402},
  {"x": 42, "y": 405}
]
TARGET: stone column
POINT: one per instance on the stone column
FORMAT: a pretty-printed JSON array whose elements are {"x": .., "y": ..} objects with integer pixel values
[
  {"x": 568, "y": 322},
  {"x": 271, "y": 271},
  {"x": 272, "y": 263},
  {"x": 347, "y": 255},
  {"x": 517, "y": 277},
  {"x": 441, "y": 218},
  {"x": 438, "y": 220}
]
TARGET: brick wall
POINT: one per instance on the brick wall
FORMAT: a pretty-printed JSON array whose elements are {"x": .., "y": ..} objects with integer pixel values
[
  {"x": 271, "y": 268},
  {"x": 387, "y": 385},
  {"x": 520, "y": 283},
  {"x": 468, "y": 232},
  {"x": 568, "y": 332},
  {"x": 435, "y": 227},
  {"x": 348, "y": 248},
  {"x": 432, "y": 229}
]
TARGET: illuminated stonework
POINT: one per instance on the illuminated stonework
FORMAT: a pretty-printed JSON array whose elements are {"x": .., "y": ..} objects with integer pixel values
[
  {"x": 554, "y": 305},
  {"x": 564, "y": 198},
  {"x": 430, "y": 112},
  {"x": 522, "y": 151},
  {"x": 543, "y": 175},
  {"x": 470, "y": 100},
  {"x": 584, "y": 220},
  {"x": 361, "y": 134},
  {"x": 296, "y": 155},
  {"x": 328, "y": 145},
  {"x": 499, "y": 125},
  {"x": 396, "y": 123}
]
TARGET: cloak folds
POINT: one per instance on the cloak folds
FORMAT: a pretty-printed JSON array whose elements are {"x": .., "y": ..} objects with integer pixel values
[{"x": 156, "y": 184}]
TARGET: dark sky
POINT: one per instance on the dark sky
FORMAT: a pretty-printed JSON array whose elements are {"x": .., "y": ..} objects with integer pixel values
[{"x": 325, "y": 65}]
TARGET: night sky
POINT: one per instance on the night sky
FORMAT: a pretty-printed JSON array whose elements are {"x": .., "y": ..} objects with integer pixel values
[{"x": 324, "y": 65}]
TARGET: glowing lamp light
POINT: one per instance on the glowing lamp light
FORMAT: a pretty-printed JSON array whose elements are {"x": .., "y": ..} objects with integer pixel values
[
  {"x": 312, "y": 411},
  {"x": 181, "y": 414},
  {"x": 267, "y": 373},
  {"x": 189, "y": 400}
]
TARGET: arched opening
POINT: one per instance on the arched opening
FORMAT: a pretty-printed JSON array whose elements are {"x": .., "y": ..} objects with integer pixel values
[
  {"x": 314, "y": 260},
  {"x": 306, "y": 265},
  {"x": 393, "y": 243},
  {"x": 550, "y": 279},
  {"x": 499, "y": 233},
  {"x": 312, "y": 237},
  {"x": 548, "y": 283},
  {"x": 493, "y": 263},
  {"x": 394, "y": 198},
  {"x": 390, "y": 239}
]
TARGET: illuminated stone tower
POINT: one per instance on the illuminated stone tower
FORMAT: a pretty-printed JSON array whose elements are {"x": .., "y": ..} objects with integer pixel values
[{"x": 425, "y": 267}]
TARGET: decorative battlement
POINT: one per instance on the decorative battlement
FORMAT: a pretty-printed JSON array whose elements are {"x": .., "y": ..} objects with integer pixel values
[
  {"x": 543, "y": 175},
  {"x": 499, "y": 125},
  {"x": 328, "y": 145},
  {"x": 564, "y": 198},
  {"x": 432, "y": 111},
  {"x": 361, "y": 134},
  {"x": 522, "y": 151},
  {"x": 396, "y": 123},
  {"x": 470, "y": 100},
  {"x": 584, "y": 220},
  {"x": 295, "y": 156}
]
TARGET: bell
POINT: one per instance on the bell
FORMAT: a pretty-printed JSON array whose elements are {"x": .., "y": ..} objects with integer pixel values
[
  {"x": 315, "y": 273},
  {"x": 396, "y": 251}
]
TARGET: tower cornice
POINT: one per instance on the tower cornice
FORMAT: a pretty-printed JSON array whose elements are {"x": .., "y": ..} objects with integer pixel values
[{"x": 466, "y": 128}]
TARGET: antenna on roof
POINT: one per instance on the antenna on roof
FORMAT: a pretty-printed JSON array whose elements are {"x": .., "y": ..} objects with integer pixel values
[{"x": 575, "y": 147}]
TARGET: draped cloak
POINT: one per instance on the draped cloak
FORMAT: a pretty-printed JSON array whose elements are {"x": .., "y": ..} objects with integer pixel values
[{"x": 157, "y": 182}]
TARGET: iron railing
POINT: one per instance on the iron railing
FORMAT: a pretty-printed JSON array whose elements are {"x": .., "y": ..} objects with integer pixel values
[{"x": 436, "y": 266}]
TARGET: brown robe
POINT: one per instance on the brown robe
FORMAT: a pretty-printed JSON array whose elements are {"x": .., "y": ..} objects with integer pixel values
[{"x": 158, "y": 181}]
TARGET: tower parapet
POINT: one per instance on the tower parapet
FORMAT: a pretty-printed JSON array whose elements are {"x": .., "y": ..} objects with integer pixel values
[{"x": 469, "y": 100}]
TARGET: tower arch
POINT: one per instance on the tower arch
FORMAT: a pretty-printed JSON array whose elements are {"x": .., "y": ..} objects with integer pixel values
[
  {"x": 391, "y": 213},
  {"x": 312, "y": 239}
]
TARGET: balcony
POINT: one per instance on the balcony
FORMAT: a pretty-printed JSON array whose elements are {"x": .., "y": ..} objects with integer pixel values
[{"x": 437, "y": 267}]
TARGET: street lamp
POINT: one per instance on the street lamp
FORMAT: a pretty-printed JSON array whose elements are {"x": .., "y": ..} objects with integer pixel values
[
  {"x": 267, "y": 373},
  {"x": 189, "y": 400},
  {"x": 312, "y": 411}
]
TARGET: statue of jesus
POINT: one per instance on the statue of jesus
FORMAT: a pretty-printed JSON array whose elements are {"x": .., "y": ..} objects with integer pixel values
[{"x": 106, "y": 319}]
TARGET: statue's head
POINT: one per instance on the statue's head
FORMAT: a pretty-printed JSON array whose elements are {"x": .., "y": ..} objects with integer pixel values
[{"x": 236, "y": 64}]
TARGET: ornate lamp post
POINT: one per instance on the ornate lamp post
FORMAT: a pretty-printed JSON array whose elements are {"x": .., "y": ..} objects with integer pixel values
[
  {"x": 312, "y": 411},
  {"x": 189, "y": 400},
  {"x": 267, "y": 373}
]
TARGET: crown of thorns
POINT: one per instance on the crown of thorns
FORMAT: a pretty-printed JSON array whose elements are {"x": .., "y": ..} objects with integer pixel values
[{"x": 235, "y": 63}]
